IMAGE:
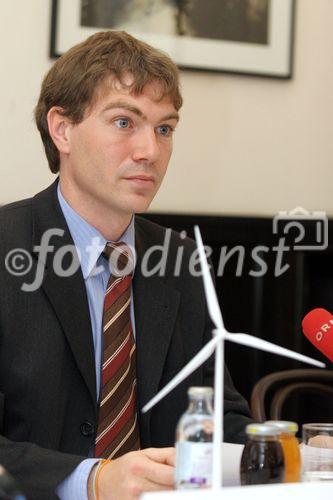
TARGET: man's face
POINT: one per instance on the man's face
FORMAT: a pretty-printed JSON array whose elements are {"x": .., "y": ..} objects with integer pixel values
[{"x": 118, "y": 155}]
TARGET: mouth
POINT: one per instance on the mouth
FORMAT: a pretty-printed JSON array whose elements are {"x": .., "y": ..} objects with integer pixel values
[{"x": 141, "y": 180}]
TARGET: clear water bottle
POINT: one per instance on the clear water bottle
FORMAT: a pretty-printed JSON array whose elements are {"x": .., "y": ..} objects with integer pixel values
[{"x": 194, "y": 441}]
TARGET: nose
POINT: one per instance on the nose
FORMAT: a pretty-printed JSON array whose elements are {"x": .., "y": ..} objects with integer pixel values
[{"x": 146, "y": 147}]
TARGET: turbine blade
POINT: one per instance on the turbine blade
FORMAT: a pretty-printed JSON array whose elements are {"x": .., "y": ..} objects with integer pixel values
[
  {"x": 263, "y": 345},
  {"x": 211, "y": 298},
  {"x": 192, "y": 365}
]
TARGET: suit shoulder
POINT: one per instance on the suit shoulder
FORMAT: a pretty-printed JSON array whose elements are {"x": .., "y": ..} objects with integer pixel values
[
  {"x": 15, "y": 225},
  {"x": 15, "y": 209}
]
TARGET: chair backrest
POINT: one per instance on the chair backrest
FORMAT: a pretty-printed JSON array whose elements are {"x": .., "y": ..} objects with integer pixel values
[{"x": 280, "y": 386}]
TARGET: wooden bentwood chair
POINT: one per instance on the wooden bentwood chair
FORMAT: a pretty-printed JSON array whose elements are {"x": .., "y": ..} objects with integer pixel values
[{"x": 270, "y": 393}]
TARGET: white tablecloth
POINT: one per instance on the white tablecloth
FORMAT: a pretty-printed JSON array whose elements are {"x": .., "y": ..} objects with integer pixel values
[
  {"x": 231, "y": 462},
  {"x": 303, "y": 491}
]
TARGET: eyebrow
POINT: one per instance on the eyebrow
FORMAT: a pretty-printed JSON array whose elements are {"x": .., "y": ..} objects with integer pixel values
[{"x": 137, "y": 111}]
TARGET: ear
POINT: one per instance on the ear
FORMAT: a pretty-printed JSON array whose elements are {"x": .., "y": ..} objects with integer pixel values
[{"x": 59, "y": 129}]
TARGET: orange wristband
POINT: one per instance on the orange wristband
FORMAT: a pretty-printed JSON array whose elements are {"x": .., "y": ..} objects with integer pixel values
[{"x": 98, "y": 471}]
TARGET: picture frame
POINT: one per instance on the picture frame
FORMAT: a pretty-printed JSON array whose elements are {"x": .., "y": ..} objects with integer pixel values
[{"x": 271, "y": 59}]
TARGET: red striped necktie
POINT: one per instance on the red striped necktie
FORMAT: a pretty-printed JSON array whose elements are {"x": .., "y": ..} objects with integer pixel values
[{"x": 117, "y": 431}]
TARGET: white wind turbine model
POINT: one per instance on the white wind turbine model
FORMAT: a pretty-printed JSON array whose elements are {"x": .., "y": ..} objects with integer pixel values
[{"x": 220, "y": 334}]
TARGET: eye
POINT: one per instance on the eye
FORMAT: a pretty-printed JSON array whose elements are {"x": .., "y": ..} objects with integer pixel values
[
  {"x": 165, "y": 130},
  {"x": 122, "y": 123}
]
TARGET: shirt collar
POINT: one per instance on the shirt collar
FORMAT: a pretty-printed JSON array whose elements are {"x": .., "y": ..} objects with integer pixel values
[{"x": 87, "y": 239}]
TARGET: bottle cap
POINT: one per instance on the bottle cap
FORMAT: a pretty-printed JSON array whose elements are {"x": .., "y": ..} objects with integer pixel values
[
  {"x": 284, "y": 426},
  {"x": 200, "y": 392},
  {"x": 262, "y": 430}
]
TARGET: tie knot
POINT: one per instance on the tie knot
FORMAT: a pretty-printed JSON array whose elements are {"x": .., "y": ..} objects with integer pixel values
[{"x": 120, "y": 258}]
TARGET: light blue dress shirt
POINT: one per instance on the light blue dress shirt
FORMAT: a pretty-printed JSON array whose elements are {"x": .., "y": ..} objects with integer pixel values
[{"x": 89, "y": 244}]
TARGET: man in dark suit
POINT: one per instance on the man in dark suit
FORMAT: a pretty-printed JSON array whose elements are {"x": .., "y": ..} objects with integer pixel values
[{"x": 106, "y": 114}]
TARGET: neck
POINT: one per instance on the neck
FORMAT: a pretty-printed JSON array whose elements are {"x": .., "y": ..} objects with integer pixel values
[{"x": 110, "y": 225}]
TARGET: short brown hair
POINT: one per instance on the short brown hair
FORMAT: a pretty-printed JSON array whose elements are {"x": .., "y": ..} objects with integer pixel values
[{"x": 73, "y": 80}]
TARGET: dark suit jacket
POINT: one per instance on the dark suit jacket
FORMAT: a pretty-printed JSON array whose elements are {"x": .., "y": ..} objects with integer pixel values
[{"x": 48, "y": 409}]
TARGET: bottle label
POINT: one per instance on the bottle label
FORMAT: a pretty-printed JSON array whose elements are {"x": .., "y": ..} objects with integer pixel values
[{"x": 194, "y": 462}]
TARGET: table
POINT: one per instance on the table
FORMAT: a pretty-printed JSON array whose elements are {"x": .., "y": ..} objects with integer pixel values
[
  {"x": 304, "y": 491},
  {"x": 233, "y": 491}
]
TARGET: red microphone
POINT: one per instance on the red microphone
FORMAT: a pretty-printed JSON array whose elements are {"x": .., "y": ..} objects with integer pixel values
[{"x": 318, "y": 328}]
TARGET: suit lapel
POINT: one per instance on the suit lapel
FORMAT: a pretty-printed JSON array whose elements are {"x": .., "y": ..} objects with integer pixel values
[
  {"x": 156, "y": 304},
  {"x": 67, "y": 295}
]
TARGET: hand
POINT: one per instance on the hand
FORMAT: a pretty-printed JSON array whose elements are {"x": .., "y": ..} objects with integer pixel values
[
  {"x": 321, "y": 441},
  {"x": 137, "y": 472}
]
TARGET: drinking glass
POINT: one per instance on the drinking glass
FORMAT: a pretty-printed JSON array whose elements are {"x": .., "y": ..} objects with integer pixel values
[{"x": 317, "y": 452}]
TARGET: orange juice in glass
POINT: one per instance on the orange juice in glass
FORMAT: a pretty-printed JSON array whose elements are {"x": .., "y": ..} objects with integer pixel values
[{"x": 291, "y": 451}]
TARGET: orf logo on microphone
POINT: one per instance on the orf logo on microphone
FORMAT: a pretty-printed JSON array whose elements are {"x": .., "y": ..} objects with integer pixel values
[
  {"x": 318, "y": 328},
  {"x": 325, "y": 327},
  {"x": 301, "y": 229}
]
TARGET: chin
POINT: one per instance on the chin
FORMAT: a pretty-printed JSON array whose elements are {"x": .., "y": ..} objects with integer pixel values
[{"x": 141, "y": 207}]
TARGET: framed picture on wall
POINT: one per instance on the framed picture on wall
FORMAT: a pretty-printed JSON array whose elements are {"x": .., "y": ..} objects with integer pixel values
[{"x": 236, "y": 36}]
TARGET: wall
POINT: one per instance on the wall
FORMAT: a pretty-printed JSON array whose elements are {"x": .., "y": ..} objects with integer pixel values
[{"x": 245, "y": 145}]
